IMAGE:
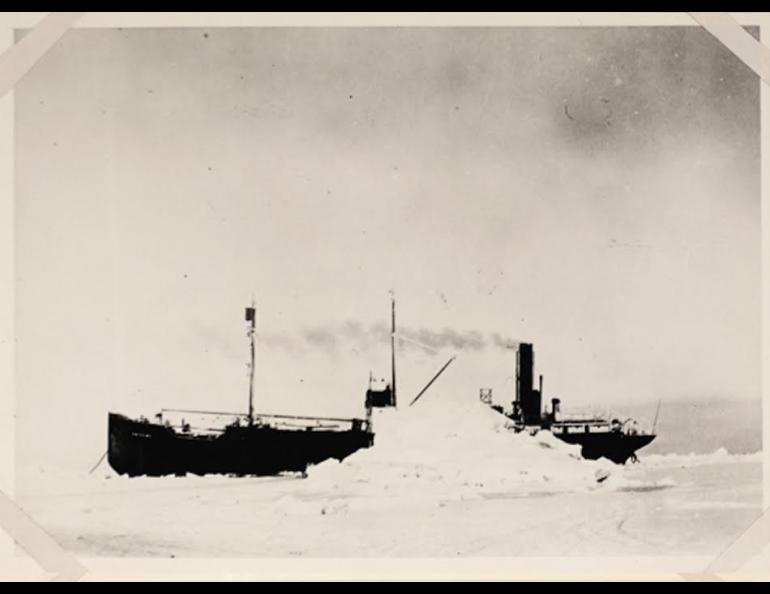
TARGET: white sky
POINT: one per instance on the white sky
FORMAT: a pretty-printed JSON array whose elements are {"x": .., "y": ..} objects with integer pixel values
[{"x": 594, "y": 191}]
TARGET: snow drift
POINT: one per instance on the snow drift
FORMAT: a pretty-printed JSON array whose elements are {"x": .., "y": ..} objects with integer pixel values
[{"x": 446, "y": 448}]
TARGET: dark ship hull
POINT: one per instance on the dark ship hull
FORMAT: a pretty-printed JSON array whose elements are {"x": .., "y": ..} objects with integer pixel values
[
  {"x": 143, "y": 448},
  {"x": 615, "y": 446},
  {"x": 252, "y": 444},
  {"x": 598, "y": 437}
]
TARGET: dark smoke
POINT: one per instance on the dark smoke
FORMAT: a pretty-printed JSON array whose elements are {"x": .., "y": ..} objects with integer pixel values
[
  {"x": 355, "y": 336},
  {"x": 471, "y": 340}
]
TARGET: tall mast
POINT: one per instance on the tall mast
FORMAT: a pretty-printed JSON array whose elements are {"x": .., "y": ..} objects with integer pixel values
[
  {"x": 251, "y": 316},
  {"x": 393, "y": 348}
]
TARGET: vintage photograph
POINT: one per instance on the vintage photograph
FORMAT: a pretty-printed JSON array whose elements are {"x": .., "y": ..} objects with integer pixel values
[{"x": 388, "y": 292}]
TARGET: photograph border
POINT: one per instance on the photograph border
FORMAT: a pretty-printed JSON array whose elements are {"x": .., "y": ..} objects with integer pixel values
[{"x": 45, "y": 559}]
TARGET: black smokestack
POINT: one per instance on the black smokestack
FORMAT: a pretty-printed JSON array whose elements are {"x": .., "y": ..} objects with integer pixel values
[{"x": 528, "y": 398}]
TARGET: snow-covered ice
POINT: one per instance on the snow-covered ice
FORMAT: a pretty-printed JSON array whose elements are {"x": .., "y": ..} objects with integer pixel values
[{"x": 446, "y": 477}]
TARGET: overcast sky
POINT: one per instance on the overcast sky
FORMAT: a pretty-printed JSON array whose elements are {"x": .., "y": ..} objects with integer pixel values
[{"x": 594, "y": 191}]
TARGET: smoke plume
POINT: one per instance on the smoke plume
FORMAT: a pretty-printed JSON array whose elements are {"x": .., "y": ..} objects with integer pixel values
[{"x": 357, "y": 337}]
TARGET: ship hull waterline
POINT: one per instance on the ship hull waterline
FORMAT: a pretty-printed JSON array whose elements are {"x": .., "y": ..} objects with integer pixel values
[
  {"x": 140, "y": 448},
  {"x": 616, "y": 446}
]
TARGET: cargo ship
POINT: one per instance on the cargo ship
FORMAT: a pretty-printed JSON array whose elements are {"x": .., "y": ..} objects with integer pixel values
[
  {"x": 599, "y": 437},
  {"x": 249, "y": 443}
]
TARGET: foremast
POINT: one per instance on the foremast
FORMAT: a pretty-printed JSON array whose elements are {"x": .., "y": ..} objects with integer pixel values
[{"x": 251, "y": 316}]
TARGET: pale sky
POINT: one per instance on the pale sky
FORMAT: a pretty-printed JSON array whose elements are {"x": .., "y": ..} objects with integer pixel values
[{"x": 594, "y": 191}]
